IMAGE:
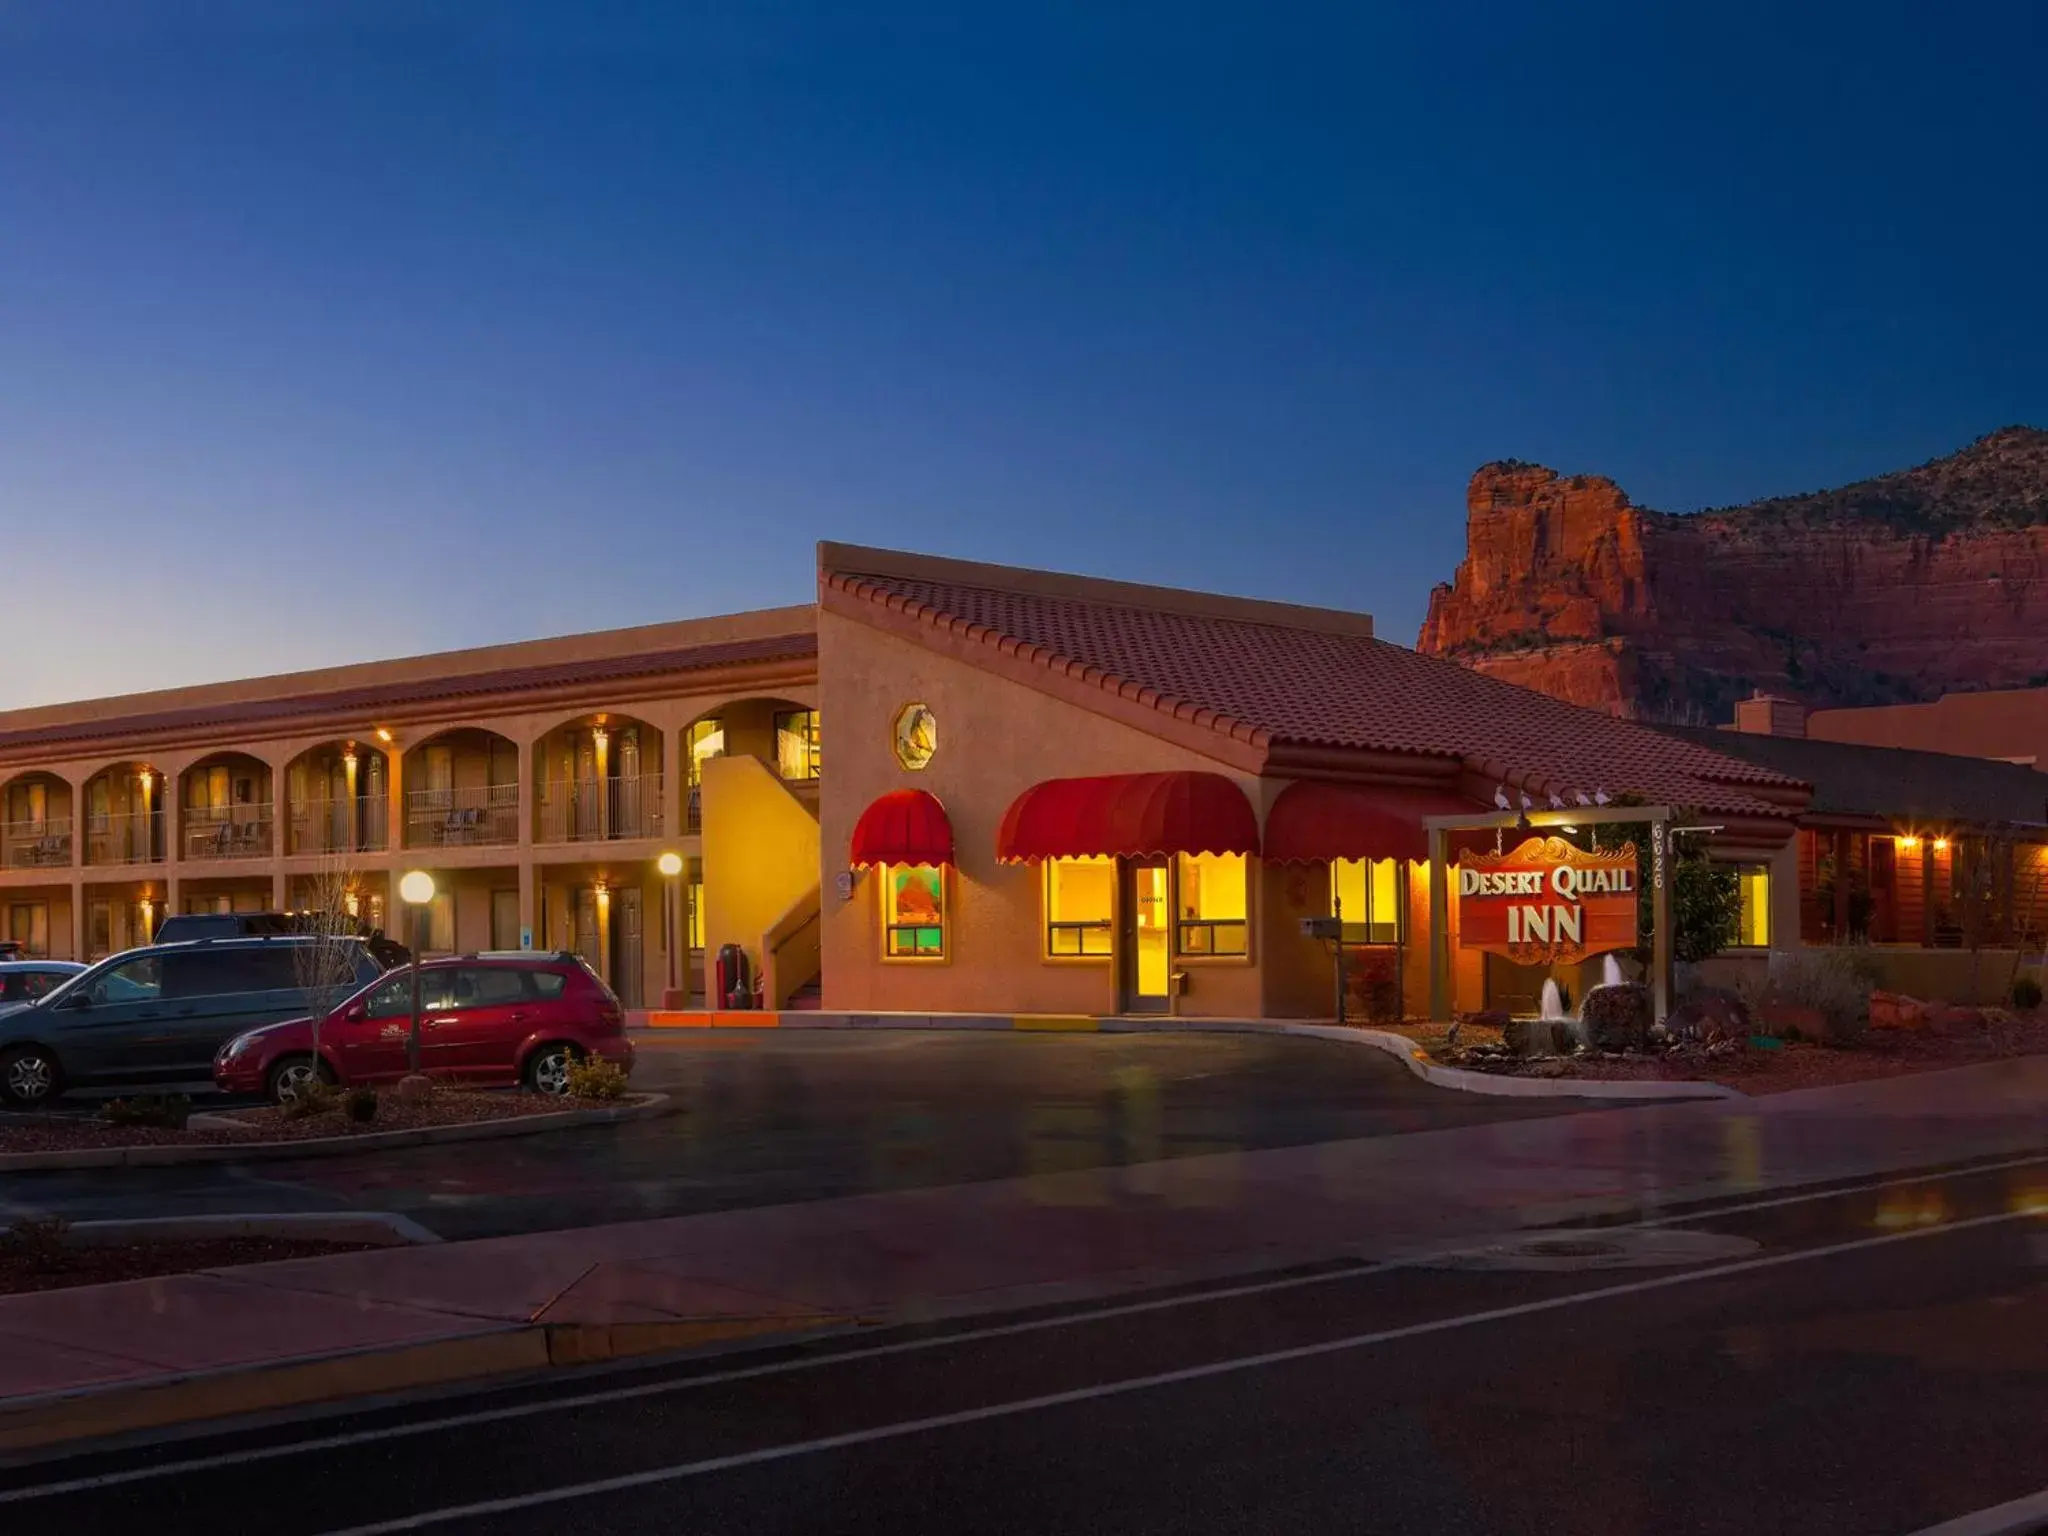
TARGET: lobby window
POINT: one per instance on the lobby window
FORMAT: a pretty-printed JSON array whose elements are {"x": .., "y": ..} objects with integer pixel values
[
  {"x": 1212, "y": 905},
  {"x": 796, "y": 745},
  {"x": 1080, "y": 904},
  {"x": 913, "y": 911},
  {"x": 1753, "y": 925},
  {"x": 1368, "y": 896}
]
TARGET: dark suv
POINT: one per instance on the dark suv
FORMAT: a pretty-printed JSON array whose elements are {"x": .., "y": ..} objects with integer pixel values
[
  {"x": 182, "y": 926},
  {"x": 154, "y": 1015}
]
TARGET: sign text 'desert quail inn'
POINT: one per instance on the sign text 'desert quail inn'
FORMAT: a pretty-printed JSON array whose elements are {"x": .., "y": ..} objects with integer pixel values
[{"x": 1548, "y": 902}]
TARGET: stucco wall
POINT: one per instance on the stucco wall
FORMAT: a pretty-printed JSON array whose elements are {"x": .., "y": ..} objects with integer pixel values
[
  {"x": 996, "y": 738},
  {"x": 760, "y": 853}
]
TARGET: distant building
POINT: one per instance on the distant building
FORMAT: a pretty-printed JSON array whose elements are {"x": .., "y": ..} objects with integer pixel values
[{"x": 2009, "y": 723}]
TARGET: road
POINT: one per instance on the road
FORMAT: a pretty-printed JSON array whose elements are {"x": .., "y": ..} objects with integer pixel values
[
  {"x": 771, "y": 1118},
  {"x": 1874, "y": 1360}
]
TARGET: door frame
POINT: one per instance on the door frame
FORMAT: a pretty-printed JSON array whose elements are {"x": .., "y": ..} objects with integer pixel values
[{"x": 1129, "y": 998}]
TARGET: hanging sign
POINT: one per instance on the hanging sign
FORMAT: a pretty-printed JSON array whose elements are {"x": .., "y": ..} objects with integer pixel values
[{"x": 1548, "y": 902}]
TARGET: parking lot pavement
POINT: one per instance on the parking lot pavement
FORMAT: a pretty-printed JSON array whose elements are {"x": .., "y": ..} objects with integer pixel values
[{"x": 768, "y": 1118}]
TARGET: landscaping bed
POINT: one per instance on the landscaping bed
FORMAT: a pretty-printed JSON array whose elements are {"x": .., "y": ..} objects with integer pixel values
[
  {"x": 1974, "y": 1035},
  {"x": 268, "y": 1123},
  {"x": 30, "y": 1265}
]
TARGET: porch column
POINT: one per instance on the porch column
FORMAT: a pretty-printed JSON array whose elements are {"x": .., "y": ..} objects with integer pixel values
[
  {"x": 397, "y": 835},
  {"x": 78, "y": 919},
  {"x": 1841, "y": 887},
  {"x": 604, "y": 934},
  {"x": 1926, "y": 850},
  {"x": 529, "y": 765},
  {"x": 351, "y": 816},
  {"x": 601, "y": 738},
  {"x": 527, "y": 925},
  {"x": 278, "y": 894}
]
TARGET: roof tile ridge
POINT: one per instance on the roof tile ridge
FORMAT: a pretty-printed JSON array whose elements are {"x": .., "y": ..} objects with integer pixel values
[{"x": 1050, "y": 659}]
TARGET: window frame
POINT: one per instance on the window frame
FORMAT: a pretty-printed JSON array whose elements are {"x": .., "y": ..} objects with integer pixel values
[
  {"x": 1358, "y": 935},
  {"x": 1180, "y": 924},
  {"x": 1047, "y": 927},
  {"x": 885, "y": 891},
  {"x": 811, "y": 737}
]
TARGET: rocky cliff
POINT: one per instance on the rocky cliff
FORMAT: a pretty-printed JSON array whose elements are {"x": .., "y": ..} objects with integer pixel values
[{"x": 1902, "y": 587}]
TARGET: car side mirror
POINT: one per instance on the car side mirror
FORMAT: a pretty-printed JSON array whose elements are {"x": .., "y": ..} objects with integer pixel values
[
  {"x": 77, "y": 1000},
  {"x": 356, "y": 1013}
]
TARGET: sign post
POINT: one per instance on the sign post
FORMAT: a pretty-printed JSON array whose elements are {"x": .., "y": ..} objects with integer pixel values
[{"x": 1660, "y": 919}]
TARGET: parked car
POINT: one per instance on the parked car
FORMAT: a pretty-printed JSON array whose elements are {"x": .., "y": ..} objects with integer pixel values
[
  {"x": 158, "y": 1014},
  {"x": 496, "y": 1018},
  {"x": 237, "y": 925},
  {"x": 23, "y": 981}
]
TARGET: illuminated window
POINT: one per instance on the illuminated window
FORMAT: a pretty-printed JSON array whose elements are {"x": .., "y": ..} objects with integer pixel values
[
  {"x": 913, "y": 911},
  {"x": 1753, "y": 927},
  {"x": 707, "y": 739},
  {"x": 1080, "y": 902},
  {"x": 796, "y": 745},
  {"x": 1367, "y": 894},
  {"x": 1212, "y": 905}
]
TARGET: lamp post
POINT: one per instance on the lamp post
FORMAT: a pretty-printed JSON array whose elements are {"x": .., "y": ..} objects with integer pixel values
[
  {"x": 671, "y": 866},
  {"x": 416, "y": 890}
]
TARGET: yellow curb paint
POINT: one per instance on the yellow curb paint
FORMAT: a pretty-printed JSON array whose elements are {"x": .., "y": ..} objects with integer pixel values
[
  {"x": 124, "y": 1409},
  {"x": 1066, "y": 1023},
  {"x": 745, "y": 1018},
  {"x": 586, "y": 1344}
]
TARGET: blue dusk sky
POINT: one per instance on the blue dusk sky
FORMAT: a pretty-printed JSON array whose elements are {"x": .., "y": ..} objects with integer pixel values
[{"x": 331, "y": 331}]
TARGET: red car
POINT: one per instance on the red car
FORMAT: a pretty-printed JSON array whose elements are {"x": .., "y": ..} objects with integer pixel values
[{"x": 517, "y": 1017}]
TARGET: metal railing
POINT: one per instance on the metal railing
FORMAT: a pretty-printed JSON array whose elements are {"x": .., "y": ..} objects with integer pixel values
[
  {"x": 483, "y": 816},
  {"x": 37, "y": 844},
  {"x": 322, "y": 826},
  {"x": 597, "y": 810},
  {"x": 228, "y": 831},
  {"x": 125, "y": 837}
]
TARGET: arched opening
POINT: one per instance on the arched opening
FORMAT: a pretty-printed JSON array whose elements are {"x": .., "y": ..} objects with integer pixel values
[
  {"x": 598, "y": 779},
  {"x": 36, "y": 830},
  {"x": 225, "y": 809},
  {"x": 124, "y": 815},
  {"x": 780, "y": 732},
  {"x": 337, "y": 800},
  {"x": 462, "y": 790}
]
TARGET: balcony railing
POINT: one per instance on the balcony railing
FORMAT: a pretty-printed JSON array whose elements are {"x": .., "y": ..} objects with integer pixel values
[
  {"x": 485, "y": 816},
  {"x": 228, "y": 831},
  {"x": 37, "y": 844},
  {"x": 595, "y": 810},
  {"x": 321, "y": 826},
  {"x": 125, "y": 837}
]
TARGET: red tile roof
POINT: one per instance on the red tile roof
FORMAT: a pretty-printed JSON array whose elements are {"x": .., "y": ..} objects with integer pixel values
[
  {"x": 1286, "y": 683},
  {"x": 382, "y": 696}
]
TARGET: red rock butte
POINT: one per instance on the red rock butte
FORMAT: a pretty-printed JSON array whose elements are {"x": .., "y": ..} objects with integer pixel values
[{"x": 1898, "y": 588}]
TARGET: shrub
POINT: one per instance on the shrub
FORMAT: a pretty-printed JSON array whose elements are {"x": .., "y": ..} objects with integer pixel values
[
  {"x": 1833, "y": 982},
  {"x": 38, "y": 1240},
  {"x": 360, "y": 1105},
  {"x": 593, "y": 1077},
  {"x": 166, "y": 1111},
  {"x": 1617, "y": 1017},
  {"x": 1711, "y": 1013},
  {"x": 2026, "y": 993},
  {"x": 313, "y": 1098}
]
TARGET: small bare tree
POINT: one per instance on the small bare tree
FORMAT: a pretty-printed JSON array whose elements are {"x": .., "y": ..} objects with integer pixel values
[{"x": 324, "y": 961}]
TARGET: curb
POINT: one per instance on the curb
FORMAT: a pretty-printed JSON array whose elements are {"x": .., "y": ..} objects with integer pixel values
[
  {"x": 55, "y": 1419},
  {"x": 383, "y": 1229},
  {"x": 1417, "y": 1062},
  {"x": 646, "y": 1106}
]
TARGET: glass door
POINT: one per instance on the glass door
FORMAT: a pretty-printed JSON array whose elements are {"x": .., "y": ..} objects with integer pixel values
[{"x": 1146, "y": 922}]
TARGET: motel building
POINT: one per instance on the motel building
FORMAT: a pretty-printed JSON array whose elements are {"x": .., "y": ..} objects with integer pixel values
[{"x": 948, "y": 788}]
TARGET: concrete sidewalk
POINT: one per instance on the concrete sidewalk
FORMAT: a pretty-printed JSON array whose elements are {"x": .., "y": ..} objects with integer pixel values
[{"x": 103, "y": 1359}]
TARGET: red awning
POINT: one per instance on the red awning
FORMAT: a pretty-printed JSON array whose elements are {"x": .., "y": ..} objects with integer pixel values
[
  {"x": 1129, "y": 815},
  {"x": 905, "y": 826},
  {"x": 1312, "y": 821}
]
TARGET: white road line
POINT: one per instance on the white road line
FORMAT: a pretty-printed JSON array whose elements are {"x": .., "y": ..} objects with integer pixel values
[
  {"x": 2014, "y": 1519},
  {"x": 413, "y": 1427},
  {"x": 907, "y": 1427}
]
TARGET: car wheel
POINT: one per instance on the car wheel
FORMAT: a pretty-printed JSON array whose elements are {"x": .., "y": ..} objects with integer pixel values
[
  {"x": 30, "y": 1077},
  {"x": 547, "y": 1069},
  {"x": 294, "y": 1073}
]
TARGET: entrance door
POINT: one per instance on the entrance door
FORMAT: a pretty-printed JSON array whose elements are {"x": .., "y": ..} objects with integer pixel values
[
  {"x": 628, "y": 957},
  {"x": 1146, "y": 924}
]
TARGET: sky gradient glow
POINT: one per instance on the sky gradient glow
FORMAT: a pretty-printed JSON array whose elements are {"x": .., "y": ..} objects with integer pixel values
[{"x": 334, "y": 331}]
